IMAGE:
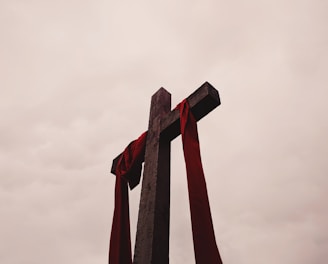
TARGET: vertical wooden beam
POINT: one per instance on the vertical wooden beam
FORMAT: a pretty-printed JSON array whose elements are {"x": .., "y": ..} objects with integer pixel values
[{"x": 152, "y": 239}]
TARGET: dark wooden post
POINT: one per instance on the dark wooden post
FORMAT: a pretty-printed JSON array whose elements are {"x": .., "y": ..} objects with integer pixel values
[
  {"x": 154, "y": 209},
  {"x": 152, "y": 240}
]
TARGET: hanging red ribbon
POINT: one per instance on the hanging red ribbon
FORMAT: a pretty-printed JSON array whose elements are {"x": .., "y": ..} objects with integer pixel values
[
  {"x": 206, "y": 250},
  {"x": 129, "y": 169}
]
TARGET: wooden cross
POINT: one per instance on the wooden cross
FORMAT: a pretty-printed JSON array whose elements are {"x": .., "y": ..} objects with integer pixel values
[{"x": 152, "y": 238}]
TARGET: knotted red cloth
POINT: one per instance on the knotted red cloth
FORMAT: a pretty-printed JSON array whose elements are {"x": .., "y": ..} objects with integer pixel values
[{"x": 129, "y": 168}]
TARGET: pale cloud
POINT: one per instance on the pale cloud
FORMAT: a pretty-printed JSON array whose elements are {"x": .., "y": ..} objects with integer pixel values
[{"x": 76, "y": 81}]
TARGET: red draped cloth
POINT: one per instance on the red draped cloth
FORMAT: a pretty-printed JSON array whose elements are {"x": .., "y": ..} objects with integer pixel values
[
  {"x": 206, "y": 250},
  {"x": 129, "y": 169}
]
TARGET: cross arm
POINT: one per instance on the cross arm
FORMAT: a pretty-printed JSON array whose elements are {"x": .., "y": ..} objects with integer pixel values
[{"x": 202, "y": 101}]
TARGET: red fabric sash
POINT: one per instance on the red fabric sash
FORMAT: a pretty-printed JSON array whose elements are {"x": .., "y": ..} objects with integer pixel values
[
  {"x": 129, "y": 169},
  {"x": 206, "y": 250}
]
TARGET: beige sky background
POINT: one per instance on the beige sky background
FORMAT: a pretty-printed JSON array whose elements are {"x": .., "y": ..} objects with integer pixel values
[{"x": 75, "y": 87}]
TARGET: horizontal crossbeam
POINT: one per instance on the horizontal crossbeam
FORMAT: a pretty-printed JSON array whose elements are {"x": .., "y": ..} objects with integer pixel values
[{"x": 202, "y": 101}]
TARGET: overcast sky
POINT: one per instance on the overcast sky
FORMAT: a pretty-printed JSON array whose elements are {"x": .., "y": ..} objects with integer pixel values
[{"x": 76, "y": 78}]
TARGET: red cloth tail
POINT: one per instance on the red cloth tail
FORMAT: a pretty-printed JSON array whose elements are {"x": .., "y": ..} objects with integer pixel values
[
  {"x": 120, "y": 241},
  {"x": 206, "y": 250}
]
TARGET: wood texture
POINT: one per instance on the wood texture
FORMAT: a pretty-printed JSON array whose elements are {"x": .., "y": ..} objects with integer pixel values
[{"x": 152, "y": 240}]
